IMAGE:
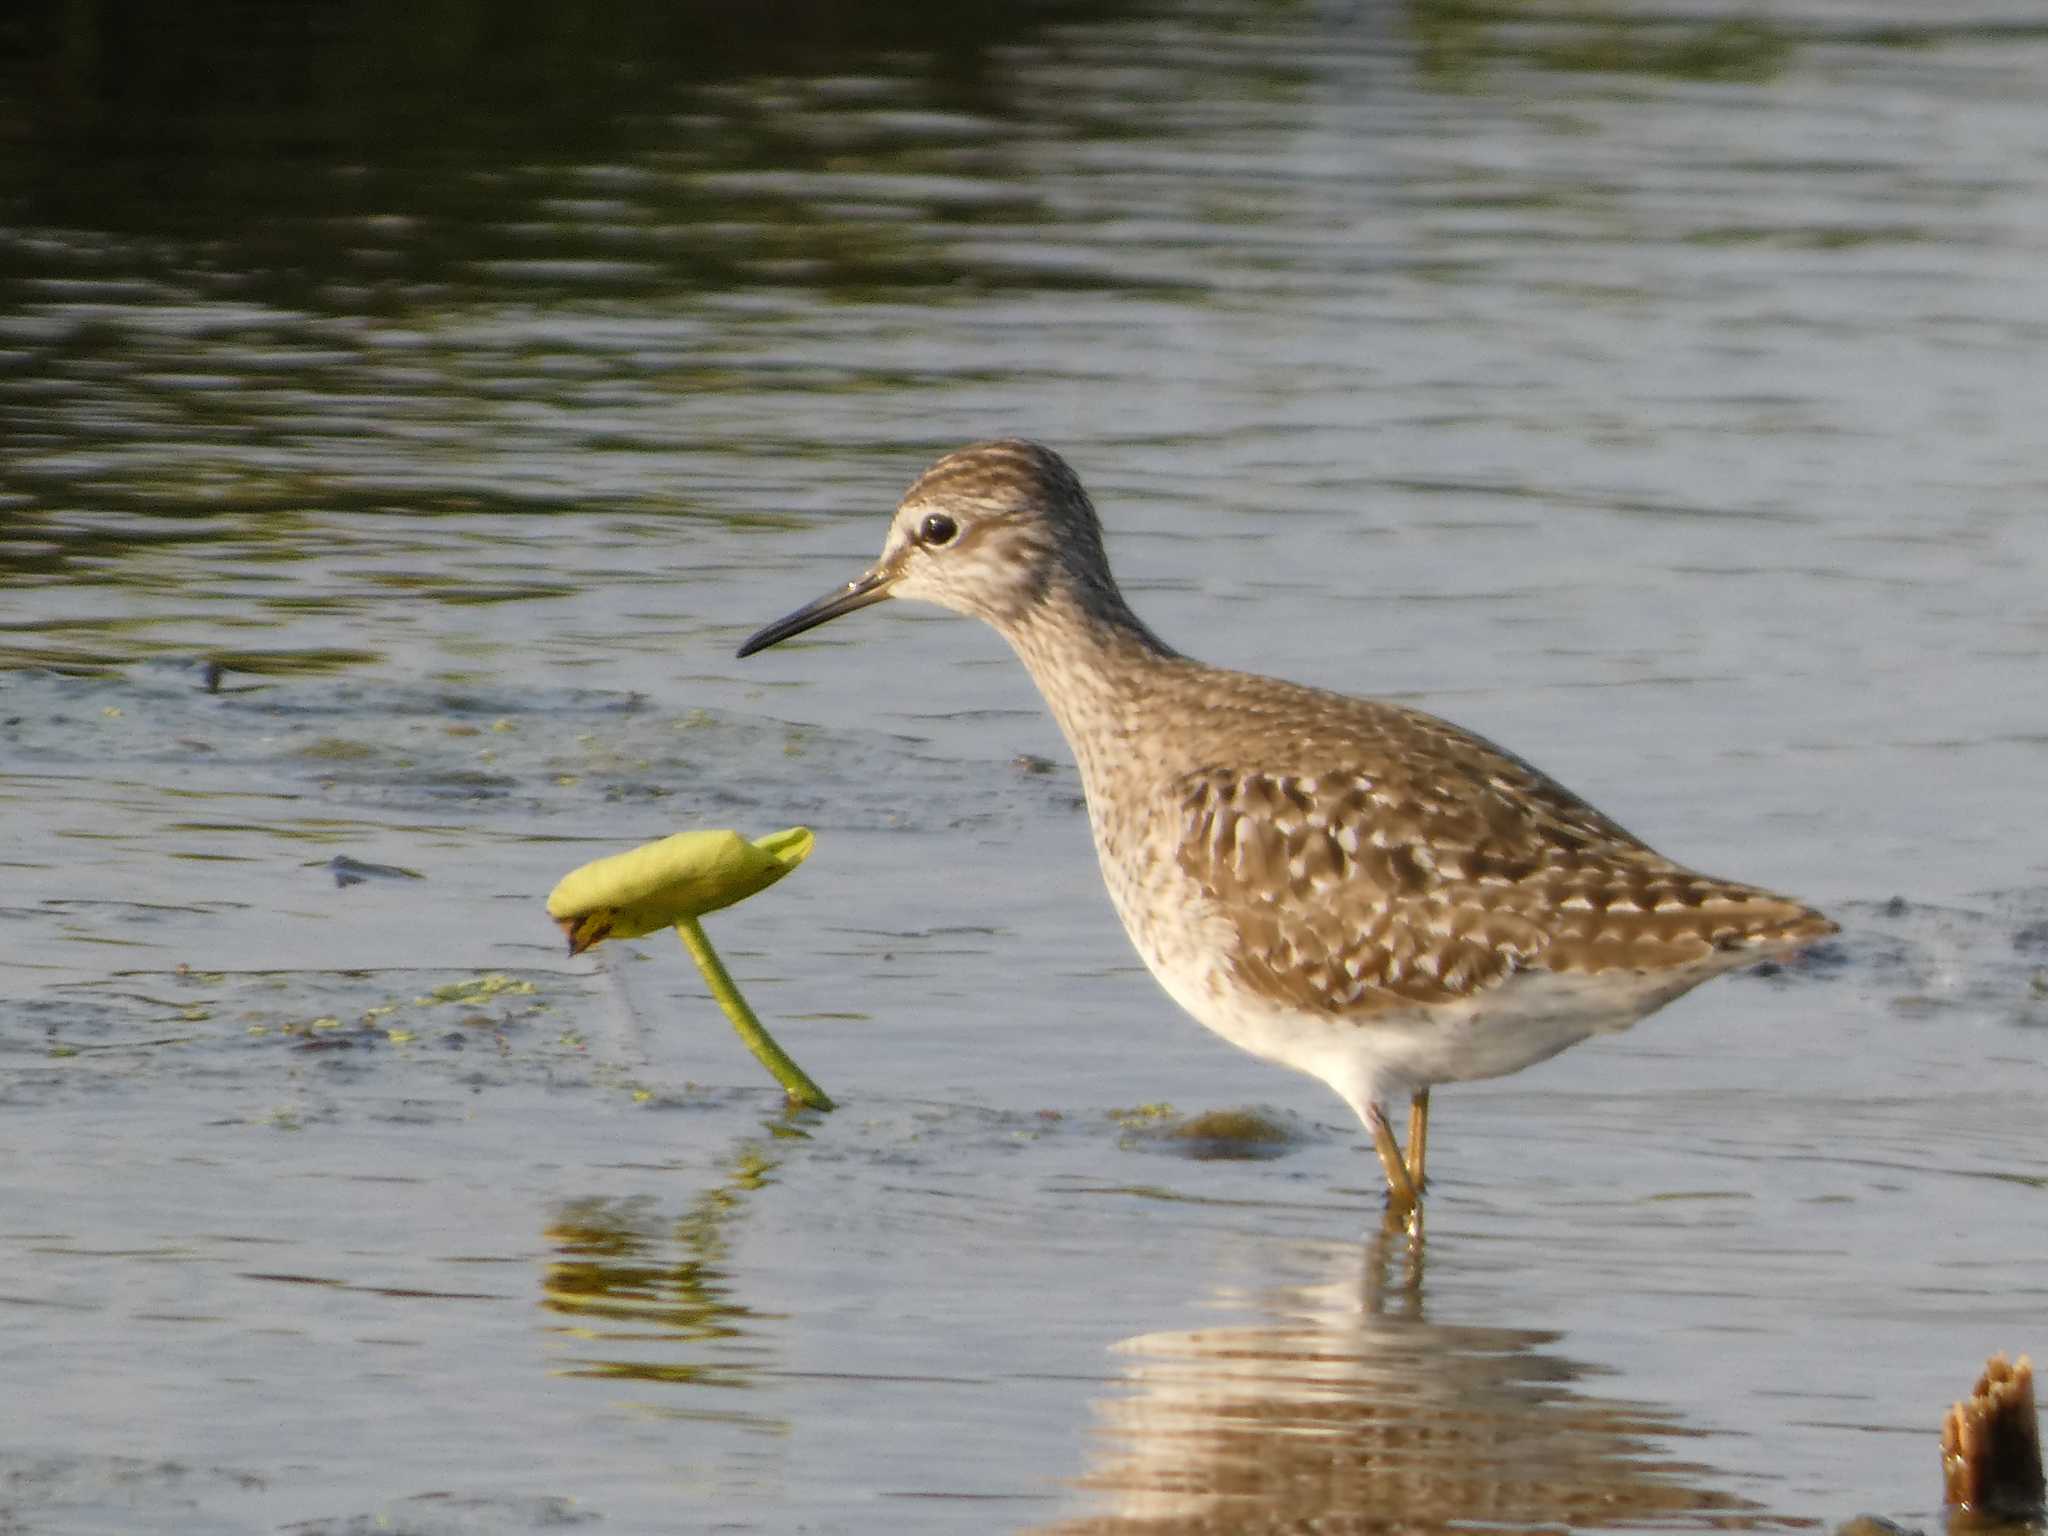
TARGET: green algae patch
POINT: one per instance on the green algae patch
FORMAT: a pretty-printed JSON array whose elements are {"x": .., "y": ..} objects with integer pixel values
[
  {"x": 1245, "y": 1126},
  {"x": 336, "y": 749},
  {"x": 1144, "y": 1117},
  {"x": 476, "y": 989},
  {"x": 1212, "y": 1134}
]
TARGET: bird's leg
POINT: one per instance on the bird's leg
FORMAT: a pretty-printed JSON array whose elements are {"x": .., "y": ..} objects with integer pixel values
[
  {"x": 1418, "y": 1138},
  {"x": 1403, "y": 1205}
]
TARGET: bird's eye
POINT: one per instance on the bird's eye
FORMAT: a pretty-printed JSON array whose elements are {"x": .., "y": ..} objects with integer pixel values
[{"x": 937, "y": 529}]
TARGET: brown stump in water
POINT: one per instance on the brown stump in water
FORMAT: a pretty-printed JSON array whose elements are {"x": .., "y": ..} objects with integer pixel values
[{"x": 1991, "y": 1445}]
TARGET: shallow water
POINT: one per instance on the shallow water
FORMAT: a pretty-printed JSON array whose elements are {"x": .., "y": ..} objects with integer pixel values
[{"x": 398, "y": 430}]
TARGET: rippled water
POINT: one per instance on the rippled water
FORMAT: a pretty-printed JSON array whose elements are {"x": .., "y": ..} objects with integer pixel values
[{"x": 402, "y": 418}]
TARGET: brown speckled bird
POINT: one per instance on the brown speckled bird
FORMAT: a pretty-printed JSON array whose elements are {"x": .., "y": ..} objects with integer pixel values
[{"x": 1352, "y": 888}]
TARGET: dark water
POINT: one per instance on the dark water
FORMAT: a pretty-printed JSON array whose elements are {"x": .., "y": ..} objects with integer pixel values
[{"x": 404, "y": 412}]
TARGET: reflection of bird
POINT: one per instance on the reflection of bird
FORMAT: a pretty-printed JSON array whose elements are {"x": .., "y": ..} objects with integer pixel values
[
  {"x": 1357, "y": 890},
  {"x": 1322, "y": 1413}
]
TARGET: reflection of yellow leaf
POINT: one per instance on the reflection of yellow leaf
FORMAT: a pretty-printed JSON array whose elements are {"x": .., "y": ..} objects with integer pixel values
[{"x": 664, "y": 883}]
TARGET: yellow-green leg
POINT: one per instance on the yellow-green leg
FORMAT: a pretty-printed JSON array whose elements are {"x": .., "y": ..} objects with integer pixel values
[
  {"x": 1403, "y": 1203},
  {"x": 1418, "y": 1138}
]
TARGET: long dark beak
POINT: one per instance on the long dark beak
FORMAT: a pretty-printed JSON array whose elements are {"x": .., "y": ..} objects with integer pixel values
[{"x": 862, "y": 591}]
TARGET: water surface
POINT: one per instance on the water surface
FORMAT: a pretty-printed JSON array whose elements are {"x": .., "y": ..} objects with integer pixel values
[{"x": 401, "y": 420}]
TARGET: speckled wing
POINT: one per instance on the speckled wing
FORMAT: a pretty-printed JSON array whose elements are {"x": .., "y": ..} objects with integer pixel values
[{"x": 1434, "y": 865}]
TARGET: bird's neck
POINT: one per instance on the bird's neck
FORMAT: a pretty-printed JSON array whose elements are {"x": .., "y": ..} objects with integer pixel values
[{"x": 1093, "y": 660}]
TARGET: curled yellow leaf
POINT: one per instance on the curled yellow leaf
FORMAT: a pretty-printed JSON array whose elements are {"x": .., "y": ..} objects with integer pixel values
[{"x": 664, "y": 883}]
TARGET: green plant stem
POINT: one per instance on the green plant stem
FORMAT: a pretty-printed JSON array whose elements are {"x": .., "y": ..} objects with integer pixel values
[{"x": 772, "y": 1056}]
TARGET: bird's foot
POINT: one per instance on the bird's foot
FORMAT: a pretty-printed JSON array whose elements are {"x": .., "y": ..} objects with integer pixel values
[{"x": 1399, "y": 1219}]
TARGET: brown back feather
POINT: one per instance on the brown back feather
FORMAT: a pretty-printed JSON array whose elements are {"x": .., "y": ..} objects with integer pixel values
[{"x": 1433, "y": 865}]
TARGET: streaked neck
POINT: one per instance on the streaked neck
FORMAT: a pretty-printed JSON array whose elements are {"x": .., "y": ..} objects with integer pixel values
[{"x": 1093, "y": 660}]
